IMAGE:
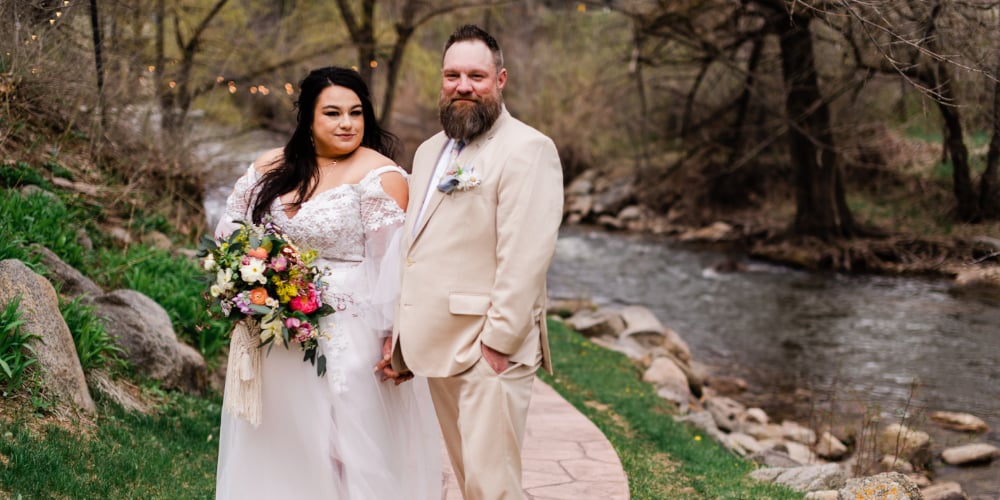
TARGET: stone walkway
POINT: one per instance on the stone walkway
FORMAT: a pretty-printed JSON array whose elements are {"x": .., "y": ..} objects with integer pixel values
[{"x": 565, "y": 456}]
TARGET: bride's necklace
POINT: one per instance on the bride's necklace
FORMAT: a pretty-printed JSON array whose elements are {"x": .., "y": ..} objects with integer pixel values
[{"x": 333, "y": 160}]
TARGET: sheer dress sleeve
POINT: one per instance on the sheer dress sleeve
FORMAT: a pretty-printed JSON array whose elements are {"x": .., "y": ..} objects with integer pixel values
[
  {"x": 239, "y": 203},
  {"x": 382, "y": 219}
]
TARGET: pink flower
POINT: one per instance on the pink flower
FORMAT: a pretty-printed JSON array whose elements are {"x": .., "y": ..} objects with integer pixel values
[
  {"x": 279, "y": 263},
  {"x": 306, "y": 304},
  {"x": 292, "y": 323},
  {"x": 305, "y": 332}
]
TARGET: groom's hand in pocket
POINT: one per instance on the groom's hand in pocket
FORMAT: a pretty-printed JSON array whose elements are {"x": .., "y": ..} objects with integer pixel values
[
  {"x": 385, "y": 365},
  {"x": 497, "y": 360}
]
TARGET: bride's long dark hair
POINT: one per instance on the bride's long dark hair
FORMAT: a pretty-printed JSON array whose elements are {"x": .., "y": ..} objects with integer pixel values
[{"x": 297, "y": 169}]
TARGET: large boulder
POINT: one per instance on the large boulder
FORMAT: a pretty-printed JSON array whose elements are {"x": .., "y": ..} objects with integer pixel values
[
  {"x": 962, "y": 422},
  {"x": 804, "y": 478},
  {"x": 596, "y": 323},
  {"x": 968, "y": 454},
  {"x": 669, "y": 379},
  {"x": 613, "y": 192},
  {"x": 885, "y": 486},
  {"x": 829, "y": 447},
  {"x": 68, "y": 280},
  {"x": 728, "y": 413},
  {"x": 142, "y": 328},
  {"x": 908, "y": 444},
  {"x": 948, "y": 490},
  {"x": 55, "y": 350}
]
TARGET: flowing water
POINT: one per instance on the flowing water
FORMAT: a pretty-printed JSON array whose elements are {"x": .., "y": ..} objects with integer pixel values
[
  {"x": 896, "y": 347},
  {"x": 846, "y": 345}
]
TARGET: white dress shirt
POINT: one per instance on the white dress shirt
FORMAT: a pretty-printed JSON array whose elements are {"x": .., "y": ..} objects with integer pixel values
[{"x": 448, "y": 155}]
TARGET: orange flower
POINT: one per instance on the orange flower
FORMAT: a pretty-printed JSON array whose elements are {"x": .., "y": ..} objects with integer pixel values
[
  {"x": 258, "y": 253},
  {"x": 258, "y": 296}
]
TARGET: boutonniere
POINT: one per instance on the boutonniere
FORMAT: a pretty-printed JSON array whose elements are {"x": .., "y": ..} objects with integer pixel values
[{"x": 459, "y": 178}]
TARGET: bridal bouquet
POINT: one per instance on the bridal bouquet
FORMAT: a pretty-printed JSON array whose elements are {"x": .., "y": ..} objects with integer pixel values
[{"x": 260, "y": 275}]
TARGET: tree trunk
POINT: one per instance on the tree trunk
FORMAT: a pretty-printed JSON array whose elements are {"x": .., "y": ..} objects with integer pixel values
[
  {"x": 394, "y": 64},
  {"x": 965, "y": 197},
  {"x": 989, "y": 187},
  {"x": 363, "y": 36},
  {"x": 95, "y": 27},
  {"x": 821, "y": 206},
  {"x": 939, "y": 78}
]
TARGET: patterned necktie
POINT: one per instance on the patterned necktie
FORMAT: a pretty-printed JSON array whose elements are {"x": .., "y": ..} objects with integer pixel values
[{"x": 455, "y": 150}]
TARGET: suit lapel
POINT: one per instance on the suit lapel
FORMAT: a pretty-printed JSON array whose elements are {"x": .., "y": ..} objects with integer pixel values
[
  {"x": 423, "y": 169},
  {"x": 423, "y": 182}
]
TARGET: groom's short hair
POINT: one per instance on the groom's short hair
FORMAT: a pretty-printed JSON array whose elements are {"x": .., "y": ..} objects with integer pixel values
[{"x": 471, "y": 32}]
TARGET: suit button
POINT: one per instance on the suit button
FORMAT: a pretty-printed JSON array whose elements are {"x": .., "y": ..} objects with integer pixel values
[{"x": 409, "y": 262}]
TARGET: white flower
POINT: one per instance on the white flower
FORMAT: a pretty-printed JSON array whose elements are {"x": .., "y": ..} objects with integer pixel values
[
  {"x": 253, "y": 271},
  {"x": 223, "y": 282},
  {"x": 459, "y": 179},
  {"x": 271, "y": 302},
  {"x": 270, "y": 327},
  {"x": 209, "y": 263}
]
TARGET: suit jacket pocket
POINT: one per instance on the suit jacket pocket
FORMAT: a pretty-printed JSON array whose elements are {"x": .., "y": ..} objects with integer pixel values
[{"x": 470, "y": 304}]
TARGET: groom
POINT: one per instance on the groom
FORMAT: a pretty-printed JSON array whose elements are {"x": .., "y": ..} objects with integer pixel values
[{"x": 485, "y": 206}]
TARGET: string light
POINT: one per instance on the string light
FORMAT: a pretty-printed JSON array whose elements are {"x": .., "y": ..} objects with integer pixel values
[
  {"x": 373, "y": 64},
  {"x": 289, "y": 89},
  {"x": 172, "y": 84},
  {"x": 220, "y": 79},
  {"x": 152, "y": 69},
  {"x": 58, "y": 13},
  {"x": 253, "y": 90}
]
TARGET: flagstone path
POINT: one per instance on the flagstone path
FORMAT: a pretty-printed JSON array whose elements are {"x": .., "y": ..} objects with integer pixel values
[{"x": 565, "y": 456}]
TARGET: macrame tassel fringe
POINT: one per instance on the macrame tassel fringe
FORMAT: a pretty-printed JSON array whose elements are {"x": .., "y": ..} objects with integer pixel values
[{"x": 243, "y": 376}]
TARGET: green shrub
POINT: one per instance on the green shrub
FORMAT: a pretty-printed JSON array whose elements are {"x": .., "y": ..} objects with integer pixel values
[
  {"x": 15, "y": 353},
  {"x": 58, "y": 170},
  {"x": 21, "y": 174},
  {"x": 43, "y": 220},
  {"x": 94, "y": 347}
]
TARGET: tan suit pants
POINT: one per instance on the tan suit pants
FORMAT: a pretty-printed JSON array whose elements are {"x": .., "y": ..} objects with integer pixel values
[{"x": 482, "y": 416}]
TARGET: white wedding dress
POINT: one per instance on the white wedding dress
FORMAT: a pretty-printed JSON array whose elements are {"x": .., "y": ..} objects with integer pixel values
[{"x": 346, "y": 435}]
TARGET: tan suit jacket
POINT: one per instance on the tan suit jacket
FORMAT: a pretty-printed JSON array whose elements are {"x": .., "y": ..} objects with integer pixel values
[{"x": 474, "y": 266}]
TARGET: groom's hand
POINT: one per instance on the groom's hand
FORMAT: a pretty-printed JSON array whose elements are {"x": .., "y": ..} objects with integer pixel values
[
  {"x": 385, "y": 365},
  {"x": 497, "y": 360}
]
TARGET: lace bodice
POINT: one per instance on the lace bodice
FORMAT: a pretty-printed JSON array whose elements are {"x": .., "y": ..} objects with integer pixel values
[{"x": 336, "y": 222}]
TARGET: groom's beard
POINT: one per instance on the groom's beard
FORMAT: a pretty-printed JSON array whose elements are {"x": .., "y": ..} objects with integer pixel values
[{"x": 465, "y": 120}]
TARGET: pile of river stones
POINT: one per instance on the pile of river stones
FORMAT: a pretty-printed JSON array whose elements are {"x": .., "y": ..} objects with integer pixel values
[{"x": 788, "y": 453}]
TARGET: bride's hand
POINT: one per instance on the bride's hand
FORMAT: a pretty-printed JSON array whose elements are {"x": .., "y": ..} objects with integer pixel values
[{"x": 385, "y": 365}]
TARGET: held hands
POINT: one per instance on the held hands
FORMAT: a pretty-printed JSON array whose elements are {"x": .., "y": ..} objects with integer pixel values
[
  {"x": 385, "y": 365},
  {"x": 497, "y": 360}
]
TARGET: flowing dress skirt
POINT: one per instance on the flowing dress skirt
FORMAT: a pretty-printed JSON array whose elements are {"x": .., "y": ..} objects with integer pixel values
[{"x": 343, "y": 436}]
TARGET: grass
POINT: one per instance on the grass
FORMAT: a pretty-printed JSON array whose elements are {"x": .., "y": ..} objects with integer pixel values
[
  {"x": 16, "y": 356},
  {"x": 173, "y": 454},
  {"x": 94, "y": 346},
  {"x": 662, "y": 458},
  {"x": 170, "y": 455}
]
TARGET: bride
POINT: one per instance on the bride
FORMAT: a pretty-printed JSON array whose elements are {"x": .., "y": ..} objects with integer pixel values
[{"x": 347, "y": 435}]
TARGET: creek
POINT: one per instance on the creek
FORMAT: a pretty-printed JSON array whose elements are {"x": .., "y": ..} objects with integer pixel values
[{"x": 813, "y": 346}]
